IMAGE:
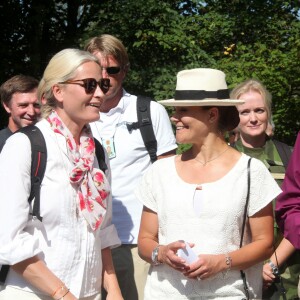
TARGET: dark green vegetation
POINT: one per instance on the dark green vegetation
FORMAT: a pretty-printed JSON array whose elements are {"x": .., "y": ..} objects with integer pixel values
[{"x": 244, "y": 38}]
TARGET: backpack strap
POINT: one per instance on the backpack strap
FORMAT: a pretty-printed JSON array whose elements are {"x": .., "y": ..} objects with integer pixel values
[
  {"x": 3, "y": 273},
  {"x": 99, "y": 151},
  {"x": 284, "y": 152},
  {"x": 38, "y": 166},
  {"x": 144, "y": 123},
  {"x": 145, "y": 126}
]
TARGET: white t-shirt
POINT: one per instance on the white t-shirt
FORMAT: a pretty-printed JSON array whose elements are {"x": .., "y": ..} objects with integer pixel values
[
  {"x": 214, "y": 225},
  {"x": 131, "y": 158}
]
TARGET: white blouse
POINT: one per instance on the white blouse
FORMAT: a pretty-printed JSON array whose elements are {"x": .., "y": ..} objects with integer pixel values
[
  {"x": 214, "y": 225},
  {"x": 71, "y": 250}
]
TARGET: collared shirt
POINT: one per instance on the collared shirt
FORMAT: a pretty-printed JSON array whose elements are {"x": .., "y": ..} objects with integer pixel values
[
  {"x": 71, "y": 250},
  {"x": 131, "y": 158}
]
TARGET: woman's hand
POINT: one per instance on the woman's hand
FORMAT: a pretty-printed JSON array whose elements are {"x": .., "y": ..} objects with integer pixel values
[
  {"x": 268, "y": 276},
  {"x": 206, "y": 266},
  {"x": 168, "y": 255}
]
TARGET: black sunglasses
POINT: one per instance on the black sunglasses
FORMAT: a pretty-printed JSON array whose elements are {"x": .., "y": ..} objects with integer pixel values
[
  {"x": 111, "y": 70},
  {"x": 90, "y": 84}
]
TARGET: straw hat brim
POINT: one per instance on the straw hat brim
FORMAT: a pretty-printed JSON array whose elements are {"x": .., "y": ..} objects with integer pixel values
[{"x": 204, "y": 102}]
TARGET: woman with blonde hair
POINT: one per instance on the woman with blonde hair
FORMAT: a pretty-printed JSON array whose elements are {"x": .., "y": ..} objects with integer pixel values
[
  {"x": 255, "y": 117},
  {"x": 67, "y": 254}
]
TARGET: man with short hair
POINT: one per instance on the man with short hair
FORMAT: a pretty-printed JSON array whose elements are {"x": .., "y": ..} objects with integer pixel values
[
  {"x": 19, "y": 98},
  {"x": 129, "y": 158}
]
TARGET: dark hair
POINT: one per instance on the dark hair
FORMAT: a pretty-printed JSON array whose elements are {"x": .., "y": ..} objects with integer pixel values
[
  {"x": 17, "y": 84},
  {"x": 228, "y": 117}
]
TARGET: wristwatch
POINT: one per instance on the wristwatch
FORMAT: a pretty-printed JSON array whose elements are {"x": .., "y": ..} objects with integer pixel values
[
  {"x": 274, "y": 268},
  {"x": 154, "y": 256}
]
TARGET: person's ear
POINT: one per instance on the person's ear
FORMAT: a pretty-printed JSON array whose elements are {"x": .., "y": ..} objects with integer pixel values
[
  {"x": 43, "y": 99},
  {"x": 57, "y": 91},
  {"x": 213, "y": 115},
  {"x": 125, "y": 70},
  {"x": 7, "y": 108}
]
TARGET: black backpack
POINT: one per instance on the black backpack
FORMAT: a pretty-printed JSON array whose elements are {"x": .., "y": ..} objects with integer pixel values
[
  {"x": 38, "y": 167},
  {"x": 144, "y": 123}
]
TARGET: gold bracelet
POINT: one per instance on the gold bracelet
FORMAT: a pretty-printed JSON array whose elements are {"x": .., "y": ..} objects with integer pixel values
[
  {"x": 64, "y": 290},
  {"x": 60, "y": 287}
]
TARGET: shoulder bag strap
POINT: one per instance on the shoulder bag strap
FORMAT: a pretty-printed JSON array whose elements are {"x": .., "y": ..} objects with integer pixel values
[{"x": 243, "y": 227}]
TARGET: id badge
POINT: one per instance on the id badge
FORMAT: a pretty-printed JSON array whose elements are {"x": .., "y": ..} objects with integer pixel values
[{"x": 109, "y": 146}]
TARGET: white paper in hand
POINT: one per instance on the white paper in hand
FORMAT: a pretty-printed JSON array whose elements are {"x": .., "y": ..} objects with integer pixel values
[{"x": 187, "y": 254}]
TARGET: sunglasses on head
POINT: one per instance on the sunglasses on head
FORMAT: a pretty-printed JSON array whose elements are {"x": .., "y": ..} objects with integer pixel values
[
  {"x": 90, "y": 84},
  {"x": 111, "y": 70}
]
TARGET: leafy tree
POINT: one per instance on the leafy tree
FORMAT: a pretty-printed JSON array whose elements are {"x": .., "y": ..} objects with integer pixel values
[
  {"x": 264, "y": 44},
  {"x": 33, "y": 30},
  {"x": 244, "y": 38}
]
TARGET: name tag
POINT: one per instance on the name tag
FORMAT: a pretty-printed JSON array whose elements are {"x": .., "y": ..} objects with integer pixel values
[{"x": 109, "y": 146}]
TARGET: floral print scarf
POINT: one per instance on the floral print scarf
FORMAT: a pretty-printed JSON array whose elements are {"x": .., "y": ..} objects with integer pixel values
[{"x": 91, "y": 183}]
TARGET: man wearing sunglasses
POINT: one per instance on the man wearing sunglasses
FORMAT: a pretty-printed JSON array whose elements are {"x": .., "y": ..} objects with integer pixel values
[{"x": 129, "y": 158}]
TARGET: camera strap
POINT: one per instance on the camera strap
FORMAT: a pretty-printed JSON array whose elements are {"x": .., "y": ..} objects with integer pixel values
[{"x": 282, "y": 289}]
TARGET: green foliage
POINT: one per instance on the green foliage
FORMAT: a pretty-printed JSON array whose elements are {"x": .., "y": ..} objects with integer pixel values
[
  {"x": 182, "y": 148},
  {"x": 244, "y": 38}
]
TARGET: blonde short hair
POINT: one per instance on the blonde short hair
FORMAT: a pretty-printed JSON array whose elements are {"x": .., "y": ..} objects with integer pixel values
[
  {"x": 257, "y": 86},
  {"x": 109, "y": 45},
  {"x": 61, "y": 67}
]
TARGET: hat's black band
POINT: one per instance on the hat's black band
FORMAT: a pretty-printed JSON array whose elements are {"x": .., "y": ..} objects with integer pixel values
[{"x": 199, "y": 95}]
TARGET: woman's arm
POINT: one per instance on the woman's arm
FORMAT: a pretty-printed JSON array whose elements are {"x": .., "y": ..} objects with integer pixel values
[
  {"x": 36, "y": 273},
  {"x": 261, "y": 226},
  {"x": 19, "y": 248},
  {"x": 148, "y": 241},
  {"x": 283, "y": 252},
  {"x": 110, "y": 281}
]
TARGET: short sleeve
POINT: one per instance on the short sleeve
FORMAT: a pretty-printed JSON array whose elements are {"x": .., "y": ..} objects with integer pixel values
[
  {"x": 264, "y": 188},
  {"x": 144, "y": 191},
  {"x": 162, "y": 129}
]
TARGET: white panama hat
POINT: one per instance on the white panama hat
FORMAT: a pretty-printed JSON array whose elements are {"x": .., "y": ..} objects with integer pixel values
[{"x": 201, "y": 87}]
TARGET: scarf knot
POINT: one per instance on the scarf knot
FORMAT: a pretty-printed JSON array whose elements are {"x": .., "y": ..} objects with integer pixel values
[{"x": 91, "y": 183}]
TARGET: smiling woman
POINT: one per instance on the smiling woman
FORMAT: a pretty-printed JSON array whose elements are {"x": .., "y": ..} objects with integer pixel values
[
  {"x": 65, "y": 255},
  {"x": 197, "y": 199}
]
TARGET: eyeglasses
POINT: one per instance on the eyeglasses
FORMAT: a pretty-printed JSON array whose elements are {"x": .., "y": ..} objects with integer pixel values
[
  {"x": 90, "y": 84},
  {"x": 112, "y": 70}
]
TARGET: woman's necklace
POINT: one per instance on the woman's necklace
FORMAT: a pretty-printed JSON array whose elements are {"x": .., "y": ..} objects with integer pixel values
[{"x": 203, "y": 163}]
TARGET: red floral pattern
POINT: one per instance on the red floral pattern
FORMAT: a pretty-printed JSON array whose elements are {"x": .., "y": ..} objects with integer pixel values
[{"x": 92, "y": 185}]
